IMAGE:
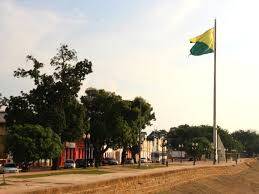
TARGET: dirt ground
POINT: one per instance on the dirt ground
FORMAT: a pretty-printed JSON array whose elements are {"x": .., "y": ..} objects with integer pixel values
[{"x": 245, "y": 182}]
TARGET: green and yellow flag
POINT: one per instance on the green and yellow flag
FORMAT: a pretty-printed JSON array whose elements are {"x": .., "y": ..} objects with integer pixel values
[{"x": 204, "y": 43}]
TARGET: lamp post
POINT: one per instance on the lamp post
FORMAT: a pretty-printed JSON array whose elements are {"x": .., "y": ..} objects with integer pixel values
[
  {"x": 194, "y": 148},
  {"x": 163, "y": 145},
  {"x": 206, "y": 152},
  {"x": 141, "y": 139},
  {"x": 226, "y": 154},
  {"x": 181, "y": 150},
  {"x": 86, "y": 142}
]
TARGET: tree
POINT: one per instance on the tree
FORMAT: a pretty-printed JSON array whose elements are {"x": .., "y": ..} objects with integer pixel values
[
  {"x": 249, "y": 140},
  {"x": 104, "y": 118},
  {"x": 51, "y": 101},
  {"x": 29, "y": 143},
  {"x": 228, "y": 140},
  {"x": 114, "y": 122},
  {"x": 3, "y": 101},
  {"x": 145, "y": 116},
  {"x": 157, "y": 134},
  {"x": 204, "y": 146},
  {"x": 129, "y": 133},
  {"x": 20, "y": 111},
  {"x": 186, "y": 133}
]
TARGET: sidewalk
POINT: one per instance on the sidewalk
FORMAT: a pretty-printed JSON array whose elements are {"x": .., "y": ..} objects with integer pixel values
[{"x": 20, "y": 185}]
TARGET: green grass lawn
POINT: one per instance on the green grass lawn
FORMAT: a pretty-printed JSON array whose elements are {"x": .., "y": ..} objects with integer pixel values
[{"x": 63, "y": 172}]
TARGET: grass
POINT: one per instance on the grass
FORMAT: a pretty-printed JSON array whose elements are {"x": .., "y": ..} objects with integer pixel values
[{"x": 92, "y": 171}]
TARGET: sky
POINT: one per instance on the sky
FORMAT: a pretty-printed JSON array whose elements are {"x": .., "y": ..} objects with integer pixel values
[{"x": 141, "y": 48}]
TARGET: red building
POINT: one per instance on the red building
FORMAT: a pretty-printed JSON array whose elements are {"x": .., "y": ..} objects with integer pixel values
[{"x": 72, "y": 150}]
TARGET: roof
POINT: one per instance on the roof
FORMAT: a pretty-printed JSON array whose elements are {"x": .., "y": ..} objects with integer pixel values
[{"x": 2, "y": 115}]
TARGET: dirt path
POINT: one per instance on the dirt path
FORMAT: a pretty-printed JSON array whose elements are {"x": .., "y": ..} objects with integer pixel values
[{"x": 245, "y": 182}]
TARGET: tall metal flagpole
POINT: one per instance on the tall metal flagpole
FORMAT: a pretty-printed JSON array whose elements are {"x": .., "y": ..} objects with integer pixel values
[{"x": 215, "y": 132}]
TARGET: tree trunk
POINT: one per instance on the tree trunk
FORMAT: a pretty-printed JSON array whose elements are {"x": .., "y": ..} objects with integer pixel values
[
  {"x": 55, "y": 164},
  {"x": 99, "y": 156},
  {"x": 25, "y": 167},
  {"x": 123, "y": 155},
  {"x": 133, "y": 154}
]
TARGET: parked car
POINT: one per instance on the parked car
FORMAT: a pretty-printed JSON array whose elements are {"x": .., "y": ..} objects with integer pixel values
[
  {"x": 105, "y": 161},
  {"x": 9, "y": 168},
  {"x": 109, "y": 161},
  {"x": 129, "y": 161},
  {"x": 113, "y": 162},
  {"x": 69, "y": 164},
  {"x": 143, "y": 160},
  {"x": 80, "y": 163}
]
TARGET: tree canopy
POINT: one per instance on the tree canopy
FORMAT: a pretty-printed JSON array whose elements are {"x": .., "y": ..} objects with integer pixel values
[
  {"x": 52, "y": 102},
  {"x": 249, "y": 140},
  {"x": 115, "y": 122},
  {"x": 29, "y": 143},
  {"x": 185, "y": 134}
]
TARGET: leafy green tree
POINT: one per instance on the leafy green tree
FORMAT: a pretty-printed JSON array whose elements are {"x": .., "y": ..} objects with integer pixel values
[
  {"x": 249, "y": 140},
  {"x": 204, "y": 146},
  {"x": 3, "y": 101},
  {"x": 114, "y": 122},
  {"x": 20, "y": 111},
  {"x": 229, "y": 142},
  {"x": 129, "y": 131},
  {"x": 145, "y": 116},
  {"x": 185, "y": 133},
  {"x": 104, "y": 118},
  {"x": 29, "y": 143},
  {"x": 52, "y": 102},
  {"x": 157, "y": 134}
]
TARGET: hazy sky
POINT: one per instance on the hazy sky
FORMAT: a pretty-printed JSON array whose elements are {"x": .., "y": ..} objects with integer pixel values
[{"x": 141, "y": 48}]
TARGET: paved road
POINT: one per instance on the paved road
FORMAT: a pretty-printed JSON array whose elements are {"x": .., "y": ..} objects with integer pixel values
[{"x": 245, "y": 182}]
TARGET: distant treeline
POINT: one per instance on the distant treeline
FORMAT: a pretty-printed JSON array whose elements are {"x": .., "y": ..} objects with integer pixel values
[{"x": 246, "y": 141}]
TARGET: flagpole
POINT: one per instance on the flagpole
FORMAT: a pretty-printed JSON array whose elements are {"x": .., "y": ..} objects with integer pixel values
[{"x": 215, "y": 132}]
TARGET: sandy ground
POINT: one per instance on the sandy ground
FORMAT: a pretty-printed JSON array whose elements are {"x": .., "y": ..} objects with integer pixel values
[
  {"x": 245, "y": 182},
  {"x": 248, "y": 180}
]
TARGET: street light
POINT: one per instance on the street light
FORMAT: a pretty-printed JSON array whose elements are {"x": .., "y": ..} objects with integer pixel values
[
  {"x": 206, "y": 152},
  {"x": 163, "y": 145},
  {"x": 86, "y": 142},
  {"x": 194, "y": 148},
  {"x": 141, "y": 139},
  {"x": 181, "y": 150}
]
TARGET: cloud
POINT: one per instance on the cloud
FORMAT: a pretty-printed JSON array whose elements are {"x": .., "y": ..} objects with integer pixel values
[
  {"x": 26, "y": 30},
  {"x": 145, "y": 53}
]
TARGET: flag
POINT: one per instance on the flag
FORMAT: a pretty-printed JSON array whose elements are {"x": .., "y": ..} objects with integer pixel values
[{"x": 204, "y": 43}]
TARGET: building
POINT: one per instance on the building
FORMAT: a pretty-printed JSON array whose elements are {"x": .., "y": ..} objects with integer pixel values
[
  {"x": 116, "y": 154},
  {"x": 72, "y": 150},
  {"x": 76, "y": 150}
]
